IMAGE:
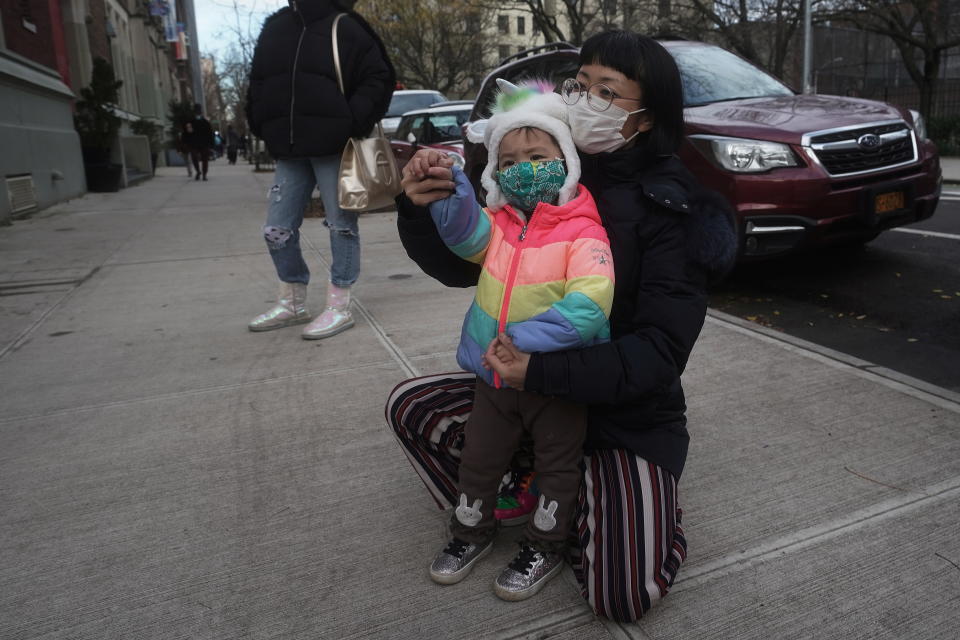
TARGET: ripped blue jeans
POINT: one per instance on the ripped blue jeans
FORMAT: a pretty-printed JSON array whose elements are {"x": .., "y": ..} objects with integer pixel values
[{"x": 288, "y": 198}]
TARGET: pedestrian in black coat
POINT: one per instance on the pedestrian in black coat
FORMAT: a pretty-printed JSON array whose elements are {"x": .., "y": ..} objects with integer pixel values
[
  {"x": 669, "y": 239},
  {"x": 297, "y": 107},
  {"x": 293, "y": 103},
  {"x": 198, "y": 138}
]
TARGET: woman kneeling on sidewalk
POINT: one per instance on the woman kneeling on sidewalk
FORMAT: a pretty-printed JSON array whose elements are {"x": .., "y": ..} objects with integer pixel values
[{"x": 669, "y": 237}]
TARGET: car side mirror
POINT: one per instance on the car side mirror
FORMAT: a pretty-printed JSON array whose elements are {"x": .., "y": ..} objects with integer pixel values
[{"x": 412, "y": 139}]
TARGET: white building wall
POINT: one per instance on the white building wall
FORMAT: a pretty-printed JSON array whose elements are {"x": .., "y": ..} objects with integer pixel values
[{"x": 36, "y": 120}]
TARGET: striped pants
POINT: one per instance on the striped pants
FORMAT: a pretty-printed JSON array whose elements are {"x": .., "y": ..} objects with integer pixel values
[{"x": 629, "y": 542}]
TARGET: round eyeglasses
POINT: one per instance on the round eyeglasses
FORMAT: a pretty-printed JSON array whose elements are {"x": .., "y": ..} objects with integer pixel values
[{"x": 599, "y": 95}]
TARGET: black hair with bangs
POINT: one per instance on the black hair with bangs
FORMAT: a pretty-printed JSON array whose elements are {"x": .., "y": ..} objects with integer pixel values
[{"x": 647, "y": 62}]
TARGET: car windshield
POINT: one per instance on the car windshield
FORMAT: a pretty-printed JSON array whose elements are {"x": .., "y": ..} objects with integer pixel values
[
  {"x": 433, "y": 128},
  {"x": 403, "y": 102},
  {"x": 710, "y": 74}
]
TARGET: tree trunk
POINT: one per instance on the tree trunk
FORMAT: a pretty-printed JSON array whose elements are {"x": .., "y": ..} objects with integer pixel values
[{"x": 928, "y": 88}]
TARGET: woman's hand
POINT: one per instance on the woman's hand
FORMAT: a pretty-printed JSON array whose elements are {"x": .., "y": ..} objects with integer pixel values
[
  {"x": 507, "y": 360},
  {"x": 427, "y": 177}
]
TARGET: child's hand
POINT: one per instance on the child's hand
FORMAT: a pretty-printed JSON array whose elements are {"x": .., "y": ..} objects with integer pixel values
[
  {"x": 484, "y": 362},
  {"x": 496, "y": 349},
  {"x": 508, "y": 361},
  {"x": 500, "y": 350},
  {"x": 426, "y": 159},
  {"x": 427, "y": 177}
]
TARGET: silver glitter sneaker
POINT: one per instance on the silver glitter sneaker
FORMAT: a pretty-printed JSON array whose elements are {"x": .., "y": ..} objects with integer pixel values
[
  {"x": 527, "y": 573},
  {"x": 456, "y": 560}
]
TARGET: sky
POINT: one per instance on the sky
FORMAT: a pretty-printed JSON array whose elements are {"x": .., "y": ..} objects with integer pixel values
[{"x": 214, "y": 15}]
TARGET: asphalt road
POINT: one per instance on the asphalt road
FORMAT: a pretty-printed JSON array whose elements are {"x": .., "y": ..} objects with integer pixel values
[{"x": 895, "y": 302}]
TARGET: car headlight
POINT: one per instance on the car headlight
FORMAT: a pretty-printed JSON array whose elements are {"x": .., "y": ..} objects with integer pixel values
[
  {"x": 919, "y": 125},
  {"x": 742, "y": 155},
  {"x": 457, "y": 158}
]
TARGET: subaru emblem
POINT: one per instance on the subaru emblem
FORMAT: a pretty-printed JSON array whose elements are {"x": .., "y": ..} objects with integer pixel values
[{"x": 868, "y": 141}]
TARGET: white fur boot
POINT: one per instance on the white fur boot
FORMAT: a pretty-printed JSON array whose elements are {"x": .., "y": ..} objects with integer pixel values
[
  {"x": 291, "y": 309},
  {"x": 334, "y": 319}
]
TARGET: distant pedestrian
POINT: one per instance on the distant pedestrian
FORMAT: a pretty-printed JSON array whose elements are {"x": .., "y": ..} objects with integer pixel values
[
  {"x": 233, "y": 141},
  {"x": 295, "y": 106},
  {"x": 199, "y": 141},
  {"x": 185, "y": 132}
]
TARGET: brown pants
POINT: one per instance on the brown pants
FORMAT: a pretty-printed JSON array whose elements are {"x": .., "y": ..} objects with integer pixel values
[{"x": 499, "y": 419}]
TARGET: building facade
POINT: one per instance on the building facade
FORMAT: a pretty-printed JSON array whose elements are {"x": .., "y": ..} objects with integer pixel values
[
  {"x": 40, "y": 160},
  {"x": 47, "y": 49},
  {"x": 516, "y": 27}
]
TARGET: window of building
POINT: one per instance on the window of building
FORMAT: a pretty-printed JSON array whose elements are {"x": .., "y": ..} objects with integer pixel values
[
  {"x": 26, "y": 17},
  {"x": 503, "y": 24},
  {"x": 473, "y": 23},
  {"x": 504, "y": 50},
  {"x": 521, "y": 25}
]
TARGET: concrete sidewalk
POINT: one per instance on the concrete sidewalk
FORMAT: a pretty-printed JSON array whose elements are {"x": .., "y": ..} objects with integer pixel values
[
  {"x": 164, "y": 473},
  {"x": 950, "y": 166}
]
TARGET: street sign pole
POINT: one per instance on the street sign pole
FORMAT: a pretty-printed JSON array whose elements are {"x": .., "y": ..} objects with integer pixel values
[{"x": 807, "y": 46}]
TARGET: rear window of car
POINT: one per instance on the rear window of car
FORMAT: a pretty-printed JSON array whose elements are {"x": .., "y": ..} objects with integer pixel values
[
  {"x": 403, "y": 102},
  {"x": 433, "y": 128},
  {"x": 711, "y": 74}
]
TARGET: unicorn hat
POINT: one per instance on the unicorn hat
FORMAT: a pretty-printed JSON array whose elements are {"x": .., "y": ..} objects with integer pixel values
[{"x": 532, "y": 104}]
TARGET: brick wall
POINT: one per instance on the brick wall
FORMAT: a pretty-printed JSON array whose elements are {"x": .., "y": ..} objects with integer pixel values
[
  {"x": 97, "y": 31},
  {"x": 27, "y": 30}
]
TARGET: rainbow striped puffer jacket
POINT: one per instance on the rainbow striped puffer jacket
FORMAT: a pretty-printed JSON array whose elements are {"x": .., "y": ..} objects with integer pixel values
[{"x": 547, "y": 281}]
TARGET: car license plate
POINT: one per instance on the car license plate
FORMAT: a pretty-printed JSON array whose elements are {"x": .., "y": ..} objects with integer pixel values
[{"x": 887, "y": 202}]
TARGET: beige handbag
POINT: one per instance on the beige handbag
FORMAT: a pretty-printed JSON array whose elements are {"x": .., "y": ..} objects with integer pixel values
[{"x": 369, "y": 178}]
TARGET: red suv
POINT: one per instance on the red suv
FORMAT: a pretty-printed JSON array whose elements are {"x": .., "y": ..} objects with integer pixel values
[{"x": 800, "y": 170}]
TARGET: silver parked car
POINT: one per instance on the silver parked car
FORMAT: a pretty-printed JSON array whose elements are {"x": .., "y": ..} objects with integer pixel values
[{"x": 408, "y": 100}]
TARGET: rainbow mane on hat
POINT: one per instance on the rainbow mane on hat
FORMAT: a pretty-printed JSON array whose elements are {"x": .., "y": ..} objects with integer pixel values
[{"x": 510, "y": 95}]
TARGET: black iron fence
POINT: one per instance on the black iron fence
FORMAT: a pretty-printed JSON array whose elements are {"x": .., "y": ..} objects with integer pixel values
[
  {"x": 260, "y": 158},
  {"x": 946, "y": 101}
]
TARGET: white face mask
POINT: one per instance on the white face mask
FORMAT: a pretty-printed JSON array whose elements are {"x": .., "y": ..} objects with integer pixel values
[{"x": 598, "y": 131}]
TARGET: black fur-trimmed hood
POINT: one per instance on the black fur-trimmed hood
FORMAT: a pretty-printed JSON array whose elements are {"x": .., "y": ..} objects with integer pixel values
[
  {"x": 708, "y": 217},
  {"x": 712, "y": 229}
]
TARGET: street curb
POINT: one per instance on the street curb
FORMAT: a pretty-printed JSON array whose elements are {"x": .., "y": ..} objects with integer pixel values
[{"x": 940, "y": 396}]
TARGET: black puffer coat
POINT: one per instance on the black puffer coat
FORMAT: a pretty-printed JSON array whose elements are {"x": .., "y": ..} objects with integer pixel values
[
  {"x": 294, "y": 103},
  {"x": 669, "y": 238}
]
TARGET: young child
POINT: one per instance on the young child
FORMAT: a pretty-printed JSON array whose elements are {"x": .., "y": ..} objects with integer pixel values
[{"x": 547, "y": 282}]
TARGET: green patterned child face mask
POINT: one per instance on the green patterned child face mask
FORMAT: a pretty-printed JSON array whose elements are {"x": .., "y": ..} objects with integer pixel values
[{"x": 526, "y": 184}]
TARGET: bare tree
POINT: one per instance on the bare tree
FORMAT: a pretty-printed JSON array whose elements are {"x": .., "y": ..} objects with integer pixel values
[
  {"x": 921, "y": 29},
  {"x": 573, "y": 20},
  {"x": 212, "y": 93},
  {"x": 234, "y": 73},
  {"x": 761, "y": 31},
  {"x": 233, "y": 68},
  {"x": 436, "y": 44}
]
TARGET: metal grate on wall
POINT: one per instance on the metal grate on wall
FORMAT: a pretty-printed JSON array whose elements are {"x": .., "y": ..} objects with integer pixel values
[{"x": 23, "y": 196}]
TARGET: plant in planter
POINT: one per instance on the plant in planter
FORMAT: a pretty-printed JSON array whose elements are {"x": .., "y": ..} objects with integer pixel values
[
  {"x": 153, "y": 131},
  {"x": 98, "y": 125}
]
